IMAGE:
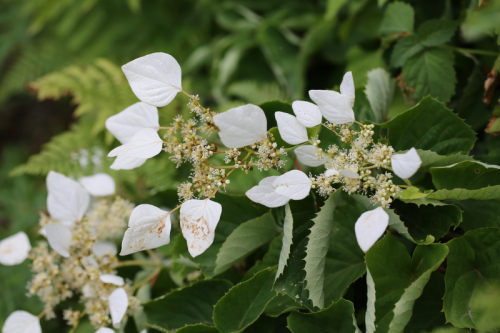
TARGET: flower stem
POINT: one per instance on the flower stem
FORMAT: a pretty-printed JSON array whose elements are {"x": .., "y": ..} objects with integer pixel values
[
  {"x": 471, "y": 51},
  {"x": 147, "y": 279},
  {"x": 137, "y": 263}
]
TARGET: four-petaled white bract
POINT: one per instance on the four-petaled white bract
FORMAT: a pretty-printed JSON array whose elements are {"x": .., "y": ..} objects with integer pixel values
[
  {"x": 148, "y": 227},
  {"x": 241, "y": 126},
  {"x": 113, "y": 279},
  {"x": 265, "y": 194},
  {"x": 103, "y": 248},
  {"x": 199, "y": 219},
  {"x": 67, "y": 200},
  {"x": 370, "y": 226},
  {"x": 98, "y": 185},
  {"x": 127, "y": 163},
  {"x": 105, "y": 330},
  {"x": 144, "y": 144},
  {"x": 14, "y": 249},
  {"x": 335, "y": 107},
  {"x": 307, "y": 113},
  {"x": 407, "y": 164},
  {"x": 347, "y": 86},
  {"x": 136, "y": 117},
  {"x": 118, "y": 304},
  {"x": 155, "y": 78},
  {"x": 59, "y": 238},
  {"x": 21, "y": 322},
  {"x": 290, "y": 129},
  {"x": 294, "y": 185},
  {"x": 308, "y": 155}
]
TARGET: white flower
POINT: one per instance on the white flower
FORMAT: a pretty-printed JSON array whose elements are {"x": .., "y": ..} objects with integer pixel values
[
  {"x": 67, "y": 200},
  {"x": 331, "y": 172},
  {"x": 113, "y": 279},
  {"x": 105, "y": 330},
  {"x": 294, "y": 185},
  {"x": 407, "y": 164},
  {"x": 265, "y": 194},
  {"x": 370, "y": 226},
  {"x": 307, "y": 113},
  {"x": 149, "y": 227},
  {"x": 127, "y": 163},
  {"x": 145, "y": 144},
  {"x": 349, "y": 173},
  {"x": 310, "y": 155},
  {"x": 199, "y": 219},
  {"x": 241, "y": 126},
  {"x": 102, "y": 248},
  {"x": 155, "y": 79},
  {"x": 98, "y": 185},
  {"x": 136, "y": 117},
  {"x": 290, "y": 129},
  {"x": 118, "y": 304},
  {"x": 335, "y": 107},
  {"x": 22, "y": 322},
  {"x": 59, "y": 238},
  {"x": 14, "y": 249}
]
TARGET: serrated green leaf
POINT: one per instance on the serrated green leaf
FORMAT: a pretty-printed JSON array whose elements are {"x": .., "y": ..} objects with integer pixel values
[
  {"x": 430, "y": 159},
  {"x": 244, "y": 303},
  {"x": 436, "y": 32},
  {"x": 317, "y": 249},
  {"x": 270, "y": 259},
  {"x": 399, "y": 280},
  {"x": 338, "y": 317},
  {"x": 244, "y": 240},
  {"x": 380, "y": 92},
  {"x": 430, "y": 126},
  {"x": 198, "y": 328},
  {"x": 431, "y": 72},
  {"x": 281, "y": 304},
  {"x": 405, "y": 48},
  {"x": 398, "y": 18},
  {"x": 472, "y": 266},
  {"x": 287, "y": 240},
  {"x": 179, "y": 305},
  {"x": 479, "y": 213},
  {"x": 370, "y": 304}
]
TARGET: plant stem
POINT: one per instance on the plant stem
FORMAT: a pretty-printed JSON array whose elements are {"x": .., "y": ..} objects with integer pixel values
[
  {"x": 407, "y": 181},
  {"x": 147, "y": 279},
  {"x": 471, "y": 51},
  {"x": 137, "y": 263},
  {"x": 40, "y": 316}
]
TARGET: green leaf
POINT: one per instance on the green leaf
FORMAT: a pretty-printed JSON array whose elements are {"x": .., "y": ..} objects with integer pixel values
[
  {"x": 479, "y": 213},
  {"x": 336, "y": 318},
  {"x": 398, "y": 18},
  {"x": 244, "y": 240},
  {"x": 179, "y": 305},
  {"x": 281, "y": 304},
  {"x": 399, "y": 280},
  {"x": 380, "y": 92},
  {"x": 431, "y": 72},
  {"x": 370, "y": 304},
  {"x": 270, "y": 259},
  {"x": 436, "y": 32},
  {"x": 317, "y": 249},
  {"x": 422, "y": 220},
  {"x": 430, "y": 159},
  {"x": 287, "y": 240},
  {"x": 244, "y": 303},
  {"x": 430, "y": 126},
  {"x": 405, "y": 48},
  {"x": 473, "y": 265},
  {"x": 271, "y": 107},
  {"x": 198, "y": 328}
]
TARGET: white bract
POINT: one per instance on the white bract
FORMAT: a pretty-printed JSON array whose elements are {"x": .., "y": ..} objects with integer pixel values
[
  {"x": 148, "y": 227},
  {"x": 407, "y": 164},
  {"x": 294, "y": 185},
  {"x": 291, "y": 130},
  {"x": 118, "y": 304},
  {"x": 349, "y": 173},
  {"x": 145, "y": 144},
  {"x": 347, "y": 86},
  {"x": 307, "y": 113},
  {"x": 309, "y": 154},
  {"x": 105, "y": 330},
  {"x": 199, "y": 219},
  {"x": 113, "y": 279},
  {"x": 241, "y": 126},
  {"x": 14, "y": 249},
  {"x": 370, "y": 226},
  {"x": 103, "y": 248},
  {"x": 59, "y": 237},
  {"x": 22, "y": 322},
  {"x": 265, "y": 194},
  {"x": 155, "y": 79},
  {"x": 99, "y": 185},
  {"x": 67, "y": 200},
  {"x": 331, "y": 172},
  {"x": 335, "y": 107},
  {"x": 127, "y": 163},
  {"x": 136, "y": 117}
]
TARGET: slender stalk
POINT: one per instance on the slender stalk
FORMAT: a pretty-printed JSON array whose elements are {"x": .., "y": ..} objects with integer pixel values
[
  {"x": 73, "y": 329},
  {"x": 153, "y": 255},
  {"x": 147, "y": 279},
  {"x": 368, "y": 168},
  {"x": 337, "y": 134},
  {"x": 40, "y": 316},
  {"x": 471, "y": 51},
  {"x": 407, "y": 181},
  {"x": 137, "y": 263}
]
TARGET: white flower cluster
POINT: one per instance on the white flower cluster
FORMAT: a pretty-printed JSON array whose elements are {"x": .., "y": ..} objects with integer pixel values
[
  {"x": 156, "y": 80},
  {"x": 82, "y": 261}
]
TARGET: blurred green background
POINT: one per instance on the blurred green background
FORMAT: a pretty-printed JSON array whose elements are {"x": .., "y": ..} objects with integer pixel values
[{"x": 60, "y": 79}]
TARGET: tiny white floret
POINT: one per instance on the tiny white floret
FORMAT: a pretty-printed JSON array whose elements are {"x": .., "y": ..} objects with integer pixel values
[
  {"x": 308, "y": 155},
  {"x": 136, "y": 117},
  {"x": 118, "y": 304},
  {"x": 407, "y": 164},
  {"x": 67, "y": 200},
  {"x": 113, "y": 279},
  {"x": 155, "y": 78},
  {"x": 14, "y": 249},
  {"x": 99, "y": 185},
  {"x": 307, "y": 113},
  {"x": 22, "y": 322},
  {"x": 290, "y": 129},
  {"x": 370, "y": 226},
  {"x": 294, "y": 185},
  {"x": 265, "y": 194},
  {"x": 59, "y": 238},
  {"x": 199, "y": 218}
]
